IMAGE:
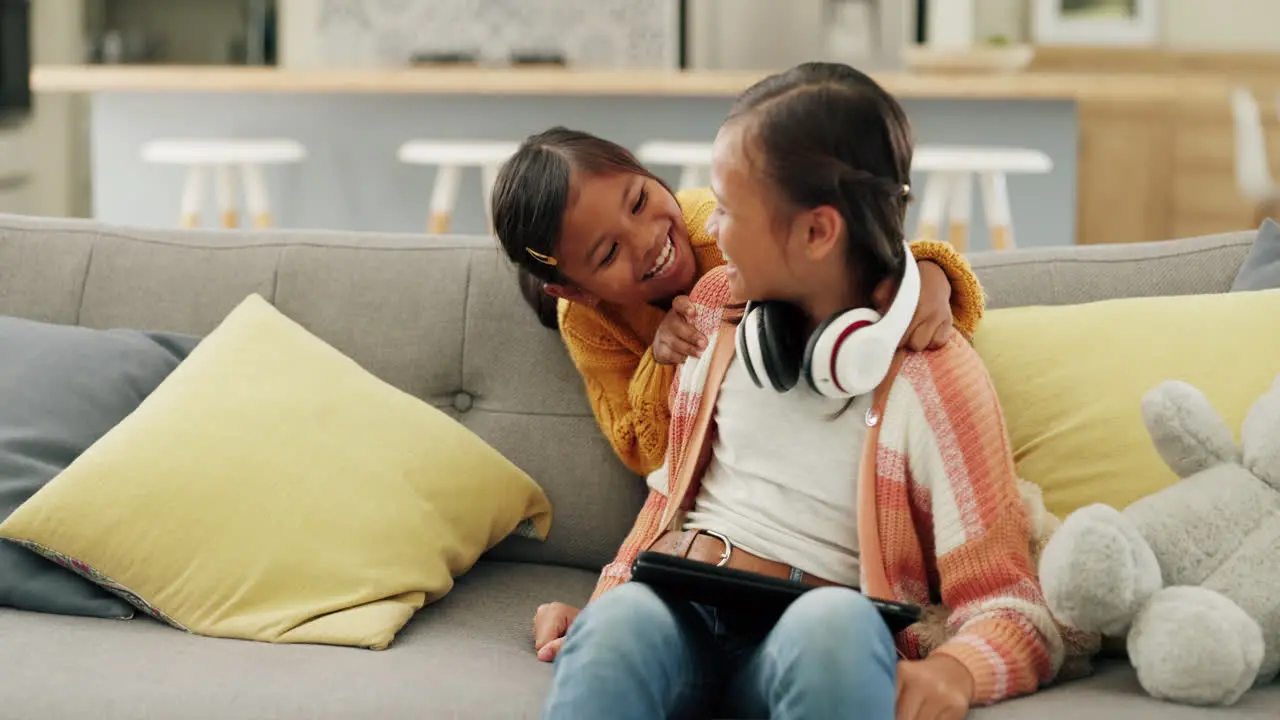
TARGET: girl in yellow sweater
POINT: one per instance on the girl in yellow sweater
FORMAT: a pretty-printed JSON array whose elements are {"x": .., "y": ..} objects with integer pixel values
[{"x": 593, "y": 230}]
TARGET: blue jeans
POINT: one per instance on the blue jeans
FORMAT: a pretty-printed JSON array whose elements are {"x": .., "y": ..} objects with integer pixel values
[{"x": 631, "y": 654}]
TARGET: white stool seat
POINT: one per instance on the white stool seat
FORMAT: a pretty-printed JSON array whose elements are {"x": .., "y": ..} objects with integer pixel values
[
  {"x": 452, "y": 152},
  {"x": 449, "y": 157},
  {"x": 675, "y": 153},
  {"x": 936, "y": 158},
  {"x": 948, "y": 191},
  {"x": 693, "y": 158},
  {"x": 214, "y": 152},
  {"x": 224, "y": 155}
]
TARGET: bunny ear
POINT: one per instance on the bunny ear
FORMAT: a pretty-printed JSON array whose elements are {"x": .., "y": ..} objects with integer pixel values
[
  {"x": 1186, "y": 430},
  {"x": 1261, "y": 437}
]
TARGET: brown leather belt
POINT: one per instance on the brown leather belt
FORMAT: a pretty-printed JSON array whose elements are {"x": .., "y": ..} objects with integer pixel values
[{"x": 715, "y": 549}]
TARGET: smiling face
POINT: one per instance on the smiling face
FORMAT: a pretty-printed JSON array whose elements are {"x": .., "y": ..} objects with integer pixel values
[
  {"x": 757, "y": 247},
  {"x": 623, "y": 241}
]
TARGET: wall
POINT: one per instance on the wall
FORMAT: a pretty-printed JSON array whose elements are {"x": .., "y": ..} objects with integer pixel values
[
  {"x": 49, "y": 150},
  {"x": 1236, "y": 25},
  {"x": 1225, "y": 25},
  {"x": 769, "y": 35},
  {"x": 595, "y": 33}
]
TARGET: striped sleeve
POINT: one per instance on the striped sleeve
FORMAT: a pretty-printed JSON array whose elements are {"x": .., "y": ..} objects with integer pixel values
[
  {"x": 645, "y": 528},
  {"x": 1000, "y": 626}
]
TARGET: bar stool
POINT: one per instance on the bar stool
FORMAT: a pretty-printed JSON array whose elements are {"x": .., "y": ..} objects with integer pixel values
[
  {"x": 948, "y": 191},
  {"x": 1252, "y": 169},
  {"x": 224, "y": 156},
  {"x": 693, "y": 159},
  {"x": 449, "y": 157}
]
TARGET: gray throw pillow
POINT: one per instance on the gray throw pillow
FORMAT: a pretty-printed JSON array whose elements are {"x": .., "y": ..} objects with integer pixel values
[
  {"x": 61, "y": 389},
  {"x": 1261, "y": 269}
]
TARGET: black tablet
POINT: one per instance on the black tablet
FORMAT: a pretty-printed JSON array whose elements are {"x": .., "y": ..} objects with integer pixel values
[{"x": 740, "y": 591}]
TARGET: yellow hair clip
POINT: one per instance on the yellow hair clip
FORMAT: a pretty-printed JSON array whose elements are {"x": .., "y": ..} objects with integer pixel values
[{"x": 544, "y": 259}]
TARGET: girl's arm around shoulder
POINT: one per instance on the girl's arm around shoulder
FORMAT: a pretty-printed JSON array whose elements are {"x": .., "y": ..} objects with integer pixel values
[
  {"x": 697, "y": 204},
  {"x": 626, "y": 387},
  {"x": 967, "y": 297},
  {"x": 1001, "y": 627}
]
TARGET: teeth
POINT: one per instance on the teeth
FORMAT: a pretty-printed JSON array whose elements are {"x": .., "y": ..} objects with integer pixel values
[{"x": 663, "y": 261}]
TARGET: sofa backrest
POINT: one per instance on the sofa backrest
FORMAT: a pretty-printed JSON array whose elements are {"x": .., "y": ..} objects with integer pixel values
[
  {"x": 441, "y": 318},
  {"x": 1088, "y": 273}
]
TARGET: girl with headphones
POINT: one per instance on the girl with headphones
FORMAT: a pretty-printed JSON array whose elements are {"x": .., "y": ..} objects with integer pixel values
[
  {"x": 608, "y": 253},
  {"x": 804, "y": 444}
]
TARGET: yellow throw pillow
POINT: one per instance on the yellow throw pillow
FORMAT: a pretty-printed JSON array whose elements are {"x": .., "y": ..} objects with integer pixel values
[
  {"x": 1071, "y": 381},
  {"x": 271, "y": 489}
]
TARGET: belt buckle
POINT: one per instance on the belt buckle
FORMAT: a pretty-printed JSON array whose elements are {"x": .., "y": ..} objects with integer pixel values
[{"x": 728, "y": 547}]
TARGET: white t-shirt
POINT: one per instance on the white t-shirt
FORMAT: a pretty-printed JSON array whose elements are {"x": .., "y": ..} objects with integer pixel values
[{"x": 782, "y": 479}]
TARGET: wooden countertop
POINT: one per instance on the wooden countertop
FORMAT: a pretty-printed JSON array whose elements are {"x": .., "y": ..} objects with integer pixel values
[{"x": 543, "y": 81}]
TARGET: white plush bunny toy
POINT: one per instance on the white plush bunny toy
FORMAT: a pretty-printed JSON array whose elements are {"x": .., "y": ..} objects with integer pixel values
[{"x": 1191, "y": 574}]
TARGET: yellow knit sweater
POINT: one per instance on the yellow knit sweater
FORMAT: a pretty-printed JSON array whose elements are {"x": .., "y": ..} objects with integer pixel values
[{"x": 610, "y": 344}]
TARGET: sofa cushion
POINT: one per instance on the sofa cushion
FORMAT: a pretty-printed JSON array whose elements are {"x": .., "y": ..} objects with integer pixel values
[
  {"x": 1071, "y": 380},
  {"x": 1113, "y": 692},
  {"x": 62, "y": 388},
  {"x": 271, "y": 489},
  {"x": 1261, "y": 268},
  {"x": 468, "y": 656}
]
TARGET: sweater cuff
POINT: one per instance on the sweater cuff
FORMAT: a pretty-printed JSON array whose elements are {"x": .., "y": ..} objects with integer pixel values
[
  {"x": 614, "y": 574},
  {"x": 967, "y": 297},
  {"x": 981, "y": 661}
]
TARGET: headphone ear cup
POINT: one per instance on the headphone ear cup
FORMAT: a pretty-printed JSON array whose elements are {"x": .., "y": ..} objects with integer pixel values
[
  {"x": 782, "y": 342},
  {"x": 809, "y": 350},
  {"x": 747, "y": 327},
  {"x": 831, "y": 343}
]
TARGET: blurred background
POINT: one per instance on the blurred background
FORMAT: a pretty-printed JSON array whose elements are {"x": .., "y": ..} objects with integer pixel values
[{"x": 1075, "y": 121}]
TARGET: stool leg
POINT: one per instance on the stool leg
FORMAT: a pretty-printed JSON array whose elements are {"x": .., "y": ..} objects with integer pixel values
[
  {"x": 933, "y": 206},
  {"x": 444, "y": 195},
  {"x": 192, "y": 197},
  {"x": 488, "y": 178},
  {"x": 688, "y": 177},
  {"x": 960, "y": 207},
  {"x": 224, "y": 189},
  {"x": 995, "y": 205},
  {"x": 256, "y": 199}
]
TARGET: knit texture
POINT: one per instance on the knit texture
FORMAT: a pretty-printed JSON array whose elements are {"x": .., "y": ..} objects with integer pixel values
[
  {"x": 953, "y": 532},
  {"x": 610, "y": 344}
]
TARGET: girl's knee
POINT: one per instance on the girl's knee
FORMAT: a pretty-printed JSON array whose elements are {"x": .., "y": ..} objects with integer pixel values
[
  {"x": 624, "y": 609},
  {"x": 629, "y": 599},
  {"x": 836, "y": 618}
]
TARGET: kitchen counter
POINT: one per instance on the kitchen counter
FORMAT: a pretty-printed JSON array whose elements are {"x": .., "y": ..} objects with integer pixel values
[{"x": 555, "y": 81}]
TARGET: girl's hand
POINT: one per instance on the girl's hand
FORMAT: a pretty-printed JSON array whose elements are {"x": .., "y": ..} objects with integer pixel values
[
  {"x": 550, "y": 623},
  {"x": 931, "y": 327},
  {"x": 936, "y": 688},
  {"x": 677, "y": 338}
]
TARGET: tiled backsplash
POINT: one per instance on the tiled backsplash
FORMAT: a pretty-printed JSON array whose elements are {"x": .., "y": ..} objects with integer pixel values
[{"x": 589, "y": 33}]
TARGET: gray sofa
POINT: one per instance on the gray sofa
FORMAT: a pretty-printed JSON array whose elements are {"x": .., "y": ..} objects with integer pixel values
[{"x": 442, "y": 319}]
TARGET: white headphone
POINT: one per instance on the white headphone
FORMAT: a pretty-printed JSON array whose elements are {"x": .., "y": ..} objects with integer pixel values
[{"x": 847, "y": 356}]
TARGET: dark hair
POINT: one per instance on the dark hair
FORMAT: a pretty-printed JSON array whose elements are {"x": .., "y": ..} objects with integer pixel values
[
  {"x": 531, "y": 194},
  {"x": 831, "y": 136}
]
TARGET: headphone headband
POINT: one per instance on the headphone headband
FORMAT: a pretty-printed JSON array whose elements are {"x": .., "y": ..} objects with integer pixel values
[
  {"x": 897, "y": 318},
  {"x": 848, "y": 355}
]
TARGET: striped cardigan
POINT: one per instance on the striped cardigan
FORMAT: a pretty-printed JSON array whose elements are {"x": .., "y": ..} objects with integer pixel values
[{"x": 953, "y": 535}]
